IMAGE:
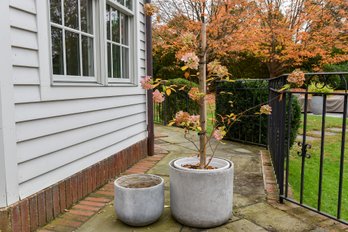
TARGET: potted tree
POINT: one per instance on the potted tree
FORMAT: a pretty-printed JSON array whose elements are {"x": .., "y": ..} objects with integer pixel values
[
  {"x": 201, "y": 187},
  {"x": 318, "y": 90}
]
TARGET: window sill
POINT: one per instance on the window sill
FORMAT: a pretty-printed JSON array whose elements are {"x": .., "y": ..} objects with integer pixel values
[{"x": 91, "y": 84}]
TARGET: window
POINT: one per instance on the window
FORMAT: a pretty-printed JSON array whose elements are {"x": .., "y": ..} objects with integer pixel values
[
  {"x": 72, "y": 34},
  {"x": 118, "y": 40},
  {"x": 77, "y": 44}
]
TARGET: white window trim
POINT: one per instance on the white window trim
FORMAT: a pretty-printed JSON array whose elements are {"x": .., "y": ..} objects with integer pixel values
[
  {"x": 69, "y": 78},
  {"x": 100, "y": 49},
  {"x": 133, "y": 48}
]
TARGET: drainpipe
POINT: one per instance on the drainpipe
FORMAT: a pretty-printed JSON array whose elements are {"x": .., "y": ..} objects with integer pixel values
[{"x": 149, "y": 68}]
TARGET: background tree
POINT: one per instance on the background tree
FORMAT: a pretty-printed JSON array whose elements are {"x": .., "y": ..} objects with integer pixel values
[{"x": 282, "y": 34}]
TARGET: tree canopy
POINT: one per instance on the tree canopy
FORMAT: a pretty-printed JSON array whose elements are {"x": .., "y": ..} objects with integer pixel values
[{"x": 282, "y": 34}]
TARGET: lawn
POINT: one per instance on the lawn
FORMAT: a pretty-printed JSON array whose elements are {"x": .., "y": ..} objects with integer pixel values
[{"x": 331, "y": 167}]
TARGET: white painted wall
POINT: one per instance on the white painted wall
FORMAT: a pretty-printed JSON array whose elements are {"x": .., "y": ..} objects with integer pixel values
[
  {"x": 59, "y": 130},
  {"x": 8, "y": 161}
]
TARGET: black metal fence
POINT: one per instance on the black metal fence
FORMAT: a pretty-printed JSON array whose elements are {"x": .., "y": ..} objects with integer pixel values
[
  {"x": 164, "y": 112},
  {"x": 239, "y": 96},
  {"x": 313, "y": 172}
]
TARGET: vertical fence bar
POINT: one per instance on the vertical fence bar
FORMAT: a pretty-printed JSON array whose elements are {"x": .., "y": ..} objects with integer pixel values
[
  {"x": 303, "y": 150},
  {"x": 164, "y": 108},
  {"x": 260, "y": 120},
  {"x": 322, "y": 148},
  {"x": 344, "y": 126},
  {"x": 281, "y": 145},
  {"x": 288, "y": 147}
]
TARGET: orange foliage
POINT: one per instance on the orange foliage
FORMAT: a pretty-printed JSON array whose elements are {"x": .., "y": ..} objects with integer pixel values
[{"x": 281, "y": 33}]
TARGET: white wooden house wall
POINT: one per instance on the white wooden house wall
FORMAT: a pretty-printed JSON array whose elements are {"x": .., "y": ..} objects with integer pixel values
[{"x": 60, "y": 130}]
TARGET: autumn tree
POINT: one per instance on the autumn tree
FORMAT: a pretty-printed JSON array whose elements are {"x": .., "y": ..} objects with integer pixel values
[
  {"x": 281, "y": 33},
  {"x": 186, "y": 34}
]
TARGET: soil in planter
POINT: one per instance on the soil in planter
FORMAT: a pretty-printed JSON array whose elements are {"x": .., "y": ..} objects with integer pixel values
[
  {"x": 197, "y": 166},
  {"x": 139, "y": 181}
]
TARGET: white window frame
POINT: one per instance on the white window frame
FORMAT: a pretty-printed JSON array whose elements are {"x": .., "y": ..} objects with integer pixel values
[
  {"x": 132, "y": 35},
  {"x": 100, "y": 78},
  {"x": 71, "y": 78}
]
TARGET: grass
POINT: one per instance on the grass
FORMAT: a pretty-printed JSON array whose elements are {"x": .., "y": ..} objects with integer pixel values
[{"x": 331, "y": 168}]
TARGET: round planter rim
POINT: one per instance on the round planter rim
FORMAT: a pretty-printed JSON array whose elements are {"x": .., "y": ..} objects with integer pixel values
[
  {"x": 139, "y": 189},
  {"x": 171, "y": 164}
]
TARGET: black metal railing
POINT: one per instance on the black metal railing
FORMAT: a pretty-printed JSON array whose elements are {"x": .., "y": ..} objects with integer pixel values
[
  {"x": 239, "y": 96},
  {"x": 311, "y": 172},
  {"x": 164, "y": 112}
]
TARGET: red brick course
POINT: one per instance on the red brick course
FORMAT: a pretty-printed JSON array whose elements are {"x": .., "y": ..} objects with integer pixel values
[
  {"x": 92, "y": 204},
  {"x": 35, "y": 211}
]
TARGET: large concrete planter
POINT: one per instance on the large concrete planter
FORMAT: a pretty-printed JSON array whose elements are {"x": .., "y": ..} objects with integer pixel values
[
  {"x": 139, "y": 199},
  {"x": 317, "y": 105},
  {"x": 201, "y": 198}
]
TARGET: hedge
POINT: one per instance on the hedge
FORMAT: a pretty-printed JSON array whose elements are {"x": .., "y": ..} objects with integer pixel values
[
  {"x": 236, "y": 97},
  {"x": 177, "y": 101}
]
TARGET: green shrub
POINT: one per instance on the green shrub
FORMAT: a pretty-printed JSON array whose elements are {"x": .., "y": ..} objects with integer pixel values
[
  {"x": 336, "y": 81},
  {"x": 295, "y": 119},
  {"x": 177, "y": 101},
  {"x": 319, "y": 88},
  {"x": 245, "y": 94}
]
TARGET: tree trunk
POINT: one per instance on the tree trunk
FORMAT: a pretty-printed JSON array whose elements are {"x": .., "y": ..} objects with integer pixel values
[
  {"x": 203, "y": 89},
  {"x": 275, "y": 69}
]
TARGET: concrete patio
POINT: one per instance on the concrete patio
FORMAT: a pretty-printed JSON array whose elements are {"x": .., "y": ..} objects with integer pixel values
[{"x": 252, "y": 212}]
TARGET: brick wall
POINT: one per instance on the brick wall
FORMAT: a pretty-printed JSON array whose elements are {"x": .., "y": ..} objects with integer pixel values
[{"x": 37, "y": 210}]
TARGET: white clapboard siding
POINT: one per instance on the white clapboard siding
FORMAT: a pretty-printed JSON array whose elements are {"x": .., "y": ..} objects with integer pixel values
[
  {"x": 27, "y": 5},
  {"x": 74, "y": 153},
  {"x": 26, "y": 75},
  {"x": 142, "y": 35},
  {"x": 26, "y": 94},
  {"x": 25, "y": 57},
  {"x": 34, "y": 148},
  {"x": 40, "y": 182},
  {"x": 85, "y": 92},
  {"x": 24, "y": 39},
  {"x": 62, "y": 130},
  {"x": 42, "y": 110},
  {"x": 23, "y": 19},
  {"x": 51, "y": 126}
]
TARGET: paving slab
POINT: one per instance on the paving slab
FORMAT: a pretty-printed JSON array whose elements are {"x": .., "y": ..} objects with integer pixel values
[
  {"x": 107, "y": 220},
  {"x": 251, "y": 210},
  {"x": 273, "y": 219}
]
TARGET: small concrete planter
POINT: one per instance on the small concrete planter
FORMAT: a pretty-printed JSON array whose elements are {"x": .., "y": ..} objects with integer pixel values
[
  {"x": 139, "y": 199},
  {"x": 201, "y": 198},
  {"x": 317, "y": 105}
]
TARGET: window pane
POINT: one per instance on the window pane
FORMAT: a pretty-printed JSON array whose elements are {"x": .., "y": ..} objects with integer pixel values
[
  {"x": 86, "y": 10},
  {"x": 109, "y": 60},
  {"x": 121, "y": 1},
  {"x": 71, "y": 15},
  {"x": 115, "y": 23},
  {"x": 57, "y": 51},
  {"x": 124, "y": 29},
  {"x": 108, "y": 22},
  {"x": 129, "y": 4},
  {"x": 72, "y": 51},
  {"x": 125, "y": 63},
  {"x": 56, "y": 11},
  {"x": 116, "y": 61},
  {"x": 87, "y": 56}
]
